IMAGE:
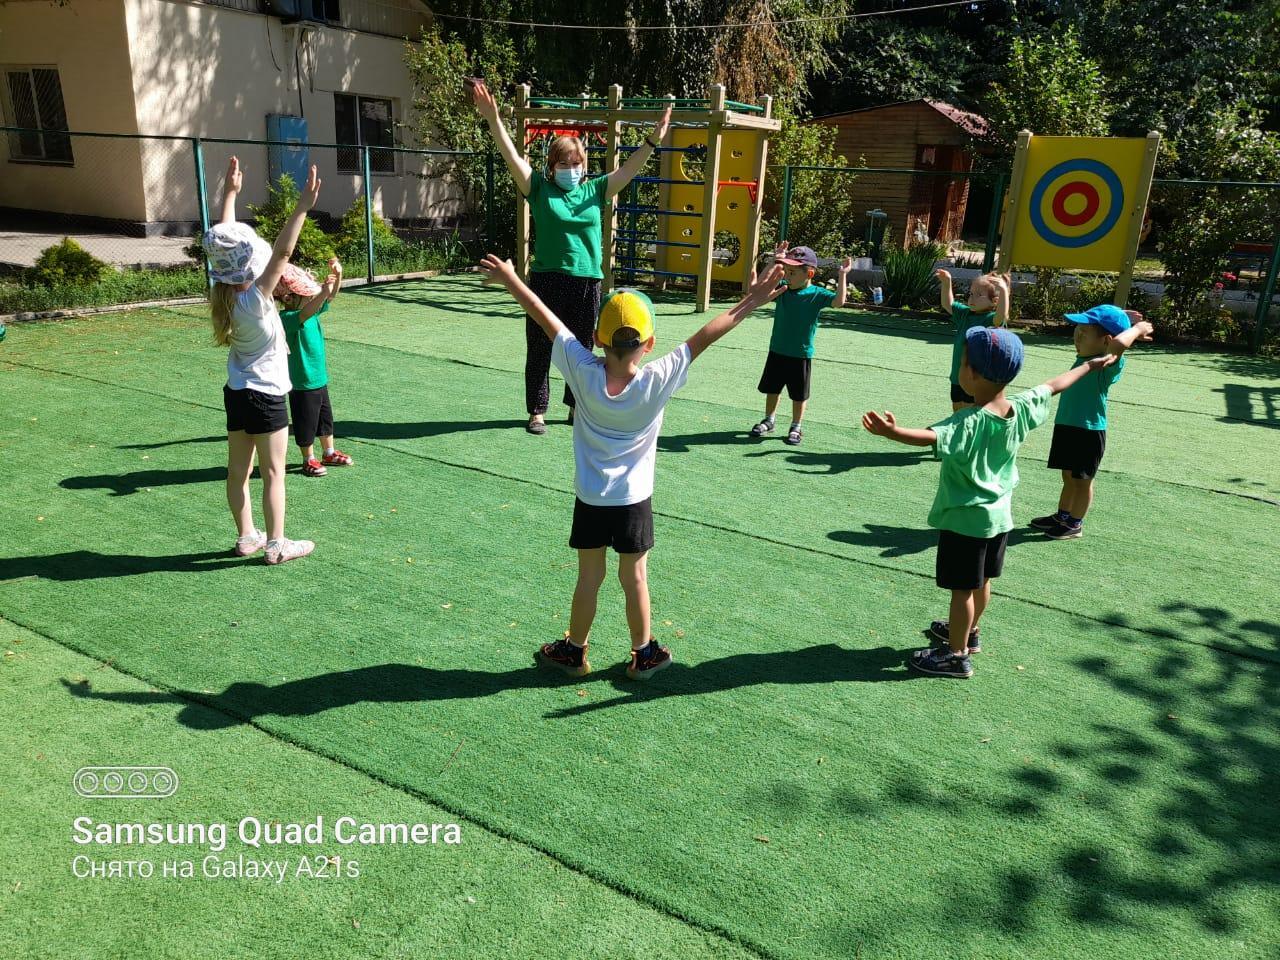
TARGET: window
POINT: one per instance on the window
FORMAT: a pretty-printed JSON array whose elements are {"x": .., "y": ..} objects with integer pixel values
[
  {"x": 35, "y": 103},
  {"x": 364, "y": 121}
]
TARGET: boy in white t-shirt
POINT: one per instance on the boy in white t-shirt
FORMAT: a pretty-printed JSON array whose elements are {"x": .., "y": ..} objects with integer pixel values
[{"x": 615, "y": 437}]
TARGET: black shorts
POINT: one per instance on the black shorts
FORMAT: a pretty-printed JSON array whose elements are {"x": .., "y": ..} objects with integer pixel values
[
  {"x": 958, "y": 394},
  {"x": 253, "y": 411},
  {"x": 628, "y": 529},
  {"x": 967, "y": 563},
  {"x": 780, "y": 371},
  {"x": 1077, "y": 450},
  {"x": 312, "y": 415}
]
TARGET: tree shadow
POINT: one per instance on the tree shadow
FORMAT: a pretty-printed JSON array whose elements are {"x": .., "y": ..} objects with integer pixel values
[
  {"x": 1244, "y": 401},
  {"x": 373, "y": 430},
  {"x": 124, "y": 484},
  {"x": 832, "y": 463},
  {"x": 90, "y": 565}
]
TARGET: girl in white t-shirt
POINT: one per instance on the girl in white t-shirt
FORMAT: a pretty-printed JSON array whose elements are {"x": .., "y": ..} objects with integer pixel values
[{"x": 245, "y": 271}]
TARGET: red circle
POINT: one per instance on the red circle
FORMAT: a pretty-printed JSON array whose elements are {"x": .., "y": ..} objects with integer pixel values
[{"x": 1091, "y": 203}]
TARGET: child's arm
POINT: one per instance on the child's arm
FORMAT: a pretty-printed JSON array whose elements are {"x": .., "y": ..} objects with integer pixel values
[
  {"x": 1064, "y": 380},
  {"x": 761, "y": 292},
  {"x": 1141, "y": 330},
  {"x": 230, "y": 187},
  {"x": 335, "y": 271},
  {"x": 842, "y": 282},
  {"x": 284, "y": 245},
  {"x": 944, "y": 284},
  {"x": 619, "y": 179},
  {"x": 328, "y": 290},
  {"x": 501, "y": 271},
  {"x": 521, "y": 172},
  {"x": 1002, "y": 300},
  {"x": 884, "y": 425}
]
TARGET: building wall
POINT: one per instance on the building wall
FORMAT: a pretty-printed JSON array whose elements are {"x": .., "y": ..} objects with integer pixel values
[{"x": 87, "y": 42}]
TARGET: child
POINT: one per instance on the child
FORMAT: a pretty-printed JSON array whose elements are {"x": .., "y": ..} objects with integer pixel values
[
  {"x": 305, "y": 300},
  {"x": 795, "y": 323},
  {"x": 1080, "y": 428},
  {"x": 245, "y": 271},
  {"x": 978, "y": 447},
  {"x": 988, "y": 303},
  {"x": 615, "y": 437}
]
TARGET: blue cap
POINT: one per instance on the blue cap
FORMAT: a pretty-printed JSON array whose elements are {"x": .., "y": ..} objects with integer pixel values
[
  {"x": 800, "y": 257},
  {"x": 994, "y": 353},
  {"x": 1107, "y": 316}
]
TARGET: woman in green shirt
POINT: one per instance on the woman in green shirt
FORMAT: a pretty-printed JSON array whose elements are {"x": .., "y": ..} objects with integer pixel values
[{"x": 565, "y": 269}]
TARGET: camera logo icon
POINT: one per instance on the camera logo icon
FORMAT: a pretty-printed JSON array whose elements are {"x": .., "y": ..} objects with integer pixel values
[{"x": 125, "y": 783}]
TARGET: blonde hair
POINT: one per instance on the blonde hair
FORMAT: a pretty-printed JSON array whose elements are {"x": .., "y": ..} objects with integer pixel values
[
  {"x": 989, "y": 281},
  {"x": 222, "y": 299},
  {"x": 564, "y": 148}
]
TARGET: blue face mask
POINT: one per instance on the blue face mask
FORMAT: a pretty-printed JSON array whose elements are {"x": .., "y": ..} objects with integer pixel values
[{"x": 568, "y": 179}]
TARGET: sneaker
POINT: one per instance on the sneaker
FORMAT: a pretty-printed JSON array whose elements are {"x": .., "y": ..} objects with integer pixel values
[
  {"x": 1046, "y": 523},
  {"x": 536, "y": 426},
  {"x": 648, "y": 660},
  {"x": 794, "y": 436},
  {"x": 313, "y": 468},
  {"x": 281, "y": 551},
  {"x": 337, "y": 459},
  {"x": 763, "y": 427},
  {"x": 1066, "y": 531},
  {"x": 250, "y": 544},
  {"x": 564, "y": 656},
  {"x": 941, "y": 631},
  {"x": 941, "y": 663}
]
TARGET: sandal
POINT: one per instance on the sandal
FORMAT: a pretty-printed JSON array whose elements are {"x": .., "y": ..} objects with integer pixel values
[
  {"x": 761, "y": 428},
  {"x": 794, "y": 436},
  {"x": 536, "y": 426},
  {"x": 337, "y": 459}
]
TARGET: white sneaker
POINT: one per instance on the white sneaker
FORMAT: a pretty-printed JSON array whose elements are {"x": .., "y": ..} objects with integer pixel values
[
  {"x": 279, "y": 551},
  {"x": 250, "y": 544}
]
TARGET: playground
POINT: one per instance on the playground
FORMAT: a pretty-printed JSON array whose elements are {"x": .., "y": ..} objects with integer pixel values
[{"x": 779, "y": 792}]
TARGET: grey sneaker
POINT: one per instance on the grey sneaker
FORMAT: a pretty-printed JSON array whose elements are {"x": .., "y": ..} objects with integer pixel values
[
  {"x": 250, "y": 544},
  {"x": 280, "y": 551}
]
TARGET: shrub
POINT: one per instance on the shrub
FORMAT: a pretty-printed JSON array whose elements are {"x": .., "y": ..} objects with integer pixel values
[
  {"x": 314, "y": 247},
  {"x": 352, "y": 237},
  {"x": 116, "y": 286},
  {"x": 67, "y": 263},
  {"x": 908, "y": 274}
]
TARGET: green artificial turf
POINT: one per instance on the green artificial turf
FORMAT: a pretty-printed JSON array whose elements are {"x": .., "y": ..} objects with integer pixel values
[{"x": 1103, "y": 785}]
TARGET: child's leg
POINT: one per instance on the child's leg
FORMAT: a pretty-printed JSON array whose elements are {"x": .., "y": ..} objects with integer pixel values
[
  {"x": 239, "y": 467},
  {"x": 1081, "y": 497},
  {"x": 981, "y": 598},
  {"x": 308, "y": 452},
  {"x": 963, "y": 618},
  {"x": 771, "y": 405},
  {"x": 797, "y": 410},
  {"x": 633, "y": 572},
  {"x": 1065, "y": 500},
  {"x": 273, "y": 448},
  {"x": 591, "y": 570}
]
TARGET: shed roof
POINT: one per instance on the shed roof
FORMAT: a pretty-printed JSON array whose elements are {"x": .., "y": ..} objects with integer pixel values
[{"x": 971, "y": 123}]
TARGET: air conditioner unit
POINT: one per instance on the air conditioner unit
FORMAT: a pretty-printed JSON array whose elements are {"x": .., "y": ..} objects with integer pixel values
[{"x": 293, "y": 11}]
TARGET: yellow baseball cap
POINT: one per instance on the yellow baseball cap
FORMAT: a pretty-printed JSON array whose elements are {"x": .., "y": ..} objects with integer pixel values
[{"x": 625, "y": 308}]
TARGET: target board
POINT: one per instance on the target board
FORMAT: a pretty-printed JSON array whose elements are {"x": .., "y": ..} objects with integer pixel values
[{"x": 1077, "y": 202}]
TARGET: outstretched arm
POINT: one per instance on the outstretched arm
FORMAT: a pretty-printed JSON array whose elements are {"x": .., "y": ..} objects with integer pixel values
[
  {"x": 944, "y": 284},
  {"x": 1003, "y": 296},
  {"x": 496, "y": 270},
  {"x": 1073, "y": 376},
  {"x": 328, "y": 290},
  {"x": 1141, "y": 330},
  {"x": 884, "y": 425},
  {"x": 230, "y": 188},
  {"x": 842, "y": 282},
  {"x": 762, "y": 291},
  {"x": 521, "y": 172},
  {"x": 288, "y": 238},
  {"x": 619, "y": 179}
]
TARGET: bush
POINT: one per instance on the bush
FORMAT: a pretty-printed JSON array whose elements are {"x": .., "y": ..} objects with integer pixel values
[
  {"x": 115, "y": 287},
  {"x": 352, "y": 237},
  {"x": 66, "y": 263},
  {"x": 908, "y": 274},
  {"x": 314, "y": 248}
]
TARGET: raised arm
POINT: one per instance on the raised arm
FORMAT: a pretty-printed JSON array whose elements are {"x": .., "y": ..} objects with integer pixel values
[
  {"x": 1064, "y": 380},
  {"x": 842, "y": 282},
  {"x": 884, "y": 425},
  {"x": 944, "y": 284},
  {"x": 761, "y": 291},
  {"x": 1141, "y": 330},
  {"x": 619, "y": 178},
  {"x": 328, "y": 290},
  {"x": 500, "y": 271},
  {"x": 1003, "y": 297},
  {"x": 284, "y": 245},
  {"x": 521, "y": 172},
  {"x": 230, "y": 188}
]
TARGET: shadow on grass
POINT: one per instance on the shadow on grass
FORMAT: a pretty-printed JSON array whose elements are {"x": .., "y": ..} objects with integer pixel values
[
  {"x": 124, "y": 484},
  {"x": 219, "y": 438},
  {"x": 373, "y": 430},
  {"x": 90, "y": 565},
  {"x": 906, "y": 541},
  {"x": 827, "y": 464},
  {"x": 1256, "y": 406}
]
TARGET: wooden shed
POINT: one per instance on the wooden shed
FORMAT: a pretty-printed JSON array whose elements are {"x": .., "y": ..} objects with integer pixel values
[{"x": 915, "y": 135}]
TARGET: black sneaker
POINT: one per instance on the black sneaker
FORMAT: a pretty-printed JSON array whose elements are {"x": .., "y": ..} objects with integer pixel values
[
  {"x": 763, "y": 427},
  {"x": 941, "y": 632},
  {"x": 564, "y": 656},
  {"x": 1066, "y": 531},
  {"x": 941, "y": 663},
  {"x": 648, "y": 660},
  {"x": 1046, "y": 523}
]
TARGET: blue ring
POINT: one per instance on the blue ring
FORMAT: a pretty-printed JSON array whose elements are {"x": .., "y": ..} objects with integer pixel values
[{"x": 1104, "y": 173}]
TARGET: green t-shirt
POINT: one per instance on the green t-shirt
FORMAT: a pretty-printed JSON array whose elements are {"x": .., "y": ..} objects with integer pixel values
[
  {"x": 979, "y": 454},
  {"x": 307, "y": 368},
  {"x": 795, "y": 320},
  {"x": 962, "y": 318},
  {"x": 566, "y": 226},
  {"x": 1084, "y": 403}
]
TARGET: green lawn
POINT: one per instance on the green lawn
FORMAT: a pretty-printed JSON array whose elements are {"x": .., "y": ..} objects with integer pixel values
[{"x": 1103, "y": 787}]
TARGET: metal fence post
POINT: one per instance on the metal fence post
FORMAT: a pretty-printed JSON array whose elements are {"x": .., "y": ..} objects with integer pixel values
[
  {"x": 1268, "y": 291},
  {"x": 368, "y": 213},
  {"x": 202, "y": 197},
  {"x": 488, "y": 200},
  {"x": 784, "y": 216},
  {"x": 993, "y": 225}
]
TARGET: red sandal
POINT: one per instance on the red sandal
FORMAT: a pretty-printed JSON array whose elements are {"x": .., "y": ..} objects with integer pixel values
[{"x": 337, "y": 459}]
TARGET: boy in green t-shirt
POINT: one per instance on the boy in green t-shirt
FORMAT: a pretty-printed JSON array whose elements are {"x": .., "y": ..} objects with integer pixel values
[
  {"x": 1080, "y": 428},
  {"x": 795, "y": 324},
  {"x": 304, "y": 301},
  {"x": 987, "y": 303},
  {"x": 978, "y": 448}
]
